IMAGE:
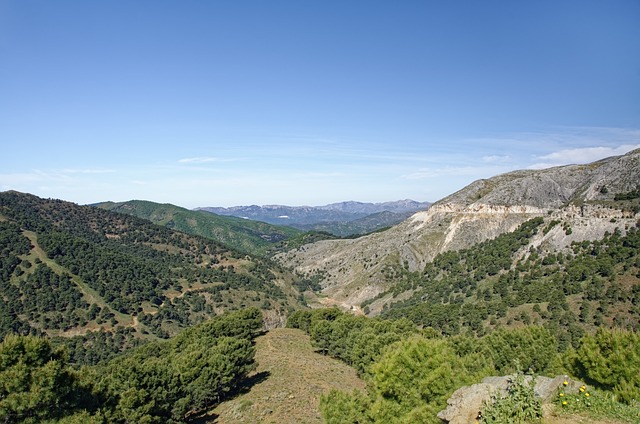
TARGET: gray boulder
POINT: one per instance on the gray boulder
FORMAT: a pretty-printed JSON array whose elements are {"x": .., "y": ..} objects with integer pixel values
[{"x": 465, "y": 404}]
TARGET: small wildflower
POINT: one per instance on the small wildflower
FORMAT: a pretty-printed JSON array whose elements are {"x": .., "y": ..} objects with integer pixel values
[
  {"x": 582, "y": 389},
  {"x": 565, "y": 383},
  {"x": 586, "y": 394},
  {"x": 564, "y": 402},
  {"x": 561, "y": 394}
]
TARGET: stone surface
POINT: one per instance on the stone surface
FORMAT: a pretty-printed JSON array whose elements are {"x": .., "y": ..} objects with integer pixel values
[
  {"x": 466, "y": 403},
  {"x": 464, "y": 406}
]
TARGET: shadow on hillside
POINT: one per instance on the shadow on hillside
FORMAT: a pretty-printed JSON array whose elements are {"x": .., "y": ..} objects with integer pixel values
[{"x": 209, "y": 417}]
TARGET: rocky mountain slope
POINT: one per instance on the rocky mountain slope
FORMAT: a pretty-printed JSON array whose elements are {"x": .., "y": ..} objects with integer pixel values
[{"x": 588, "y": 200}]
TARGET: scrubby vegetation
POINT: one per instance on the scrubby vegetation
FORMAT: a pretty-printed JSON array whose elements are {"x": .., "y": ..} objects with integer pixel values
[
  {"x": 160, "y": 382},
  {"x": 520, "y": 405},
  {"x": 86, "y": 297},
  {"x": 411, "y": 371}
]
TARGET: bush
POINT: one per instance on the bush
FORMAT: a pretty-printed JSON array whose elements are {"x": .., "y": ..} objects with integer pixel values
[
  {"x": 410, "y": 382},
  {"x": 610, "y": 359},
  {"x": 35, "y": 382},
  {"x": 533, "y": 348},
  {"x": 519, "y": 406}
]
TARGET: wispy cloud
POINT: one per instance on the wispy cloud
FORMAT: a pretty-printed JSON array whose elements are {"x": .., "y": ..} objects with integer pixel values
[
  {"x": 38, "y": 175},
  {"x": 199, "y": 159},
  {"x": 496, "y": 158},
  {"x": 581, "y": 155},
  {"x": 460, "y": 171}
]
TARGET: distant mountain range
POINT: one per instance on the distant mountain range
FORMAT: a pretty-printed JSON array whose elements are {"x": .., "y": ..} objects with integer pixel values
[{"x": 342, "y": 219}]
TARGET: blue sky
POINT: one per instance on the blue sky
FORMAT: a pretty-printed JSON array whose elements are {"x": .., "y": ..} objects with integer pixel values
[{"x": 221, "y": 103}]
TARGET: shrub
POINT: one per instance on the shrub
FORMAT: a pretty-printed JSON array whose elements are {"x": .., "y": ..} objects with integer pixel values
[
  {"x": 610, "y": 359},
  {"x": 519, "y": 406}
]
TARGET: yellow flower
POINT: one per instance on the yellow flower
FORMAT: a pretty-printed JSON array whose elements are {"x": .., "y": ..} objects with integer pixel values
[
  {"x": 561, "y": 394},
  {"x": 586, "y": 394},
  {"x": 564, "y": 402},
  {"x": 565, "y": 383},
  {"x": 582, "y": 389}
]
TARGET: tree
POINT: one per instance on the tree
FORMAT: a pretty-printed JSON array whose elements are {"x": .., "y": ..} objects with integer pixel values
[
  {"x": 35, "y": 382},
  {"x": 611, "y": 360}
]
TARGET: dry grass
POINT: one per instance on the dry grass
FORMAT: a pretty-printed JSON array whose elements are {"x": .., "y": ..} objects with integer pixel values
[
  {"x": 553, "y": 418},
  {"x": 289, "y": 381}
]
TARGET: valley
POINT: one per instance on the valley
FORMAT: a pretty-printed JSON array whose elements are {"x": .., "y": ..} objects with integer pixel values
[{"x": 531, "y": 269}]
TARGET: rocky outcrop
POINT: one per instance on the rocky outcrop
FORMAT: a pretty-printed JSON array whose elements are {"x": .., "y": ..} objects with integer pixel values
[{"x": 466, "y": 403}]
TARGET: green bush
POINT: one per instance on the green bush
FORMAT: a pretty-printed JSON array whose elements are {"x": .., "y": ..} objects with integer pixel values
[
  {"x": 519, "y": 406},
  {"x": 610, "y": 359},
  {"x": 409, "y": 383},
  {"x": 533, "y": 348},
  {"x": 35, "y": 382}
]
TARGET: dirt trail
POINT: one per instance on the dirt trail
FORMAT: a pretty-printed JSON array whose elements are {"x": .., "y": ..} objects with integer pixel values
[
  {"x": 328, "y": 302},
  {"x": 290, "y": 377}
]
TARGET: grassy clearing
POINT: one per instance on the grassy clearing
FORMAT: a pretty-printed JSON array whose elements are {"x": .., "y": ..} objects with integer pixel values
[{"x": 288, "y": 383}]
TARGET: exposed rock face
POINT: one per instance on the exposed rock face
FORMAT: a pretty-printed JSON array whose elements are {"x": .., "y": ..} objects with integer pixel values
[
  {"x": 355, "y": 269},
  {"x": 464, "y": 406}
]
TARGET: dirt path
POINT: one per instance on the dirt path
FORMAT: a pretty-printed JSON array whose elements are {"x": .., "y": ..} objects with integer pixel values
[
  {"x": 291, "y": 377},
  {"x": 90, "y": 295},
  {"x": 329, "y": 302}
]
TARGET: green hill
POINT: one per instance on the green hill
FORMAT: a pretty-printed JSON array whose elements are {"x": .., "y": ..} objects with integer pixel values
[
  {"x": 253, "y": 237},
  {"x": 106, "y": 281}
]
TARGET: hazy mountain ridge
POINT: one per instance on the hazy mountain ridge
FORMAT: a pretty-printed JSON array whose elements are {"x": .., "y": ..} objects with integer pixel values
[
  {"x": 580, "y": 196},
  {"x": 337, "y": 218},
  {"x": 371, "y": 223}
]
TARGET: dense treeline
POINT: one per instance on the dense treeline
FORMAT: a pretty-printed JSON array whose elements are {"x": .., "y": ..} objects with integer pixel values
[
  {"x": 12, "y": 245},
  {"x": 159, "y": 382},
  {"x": 95, "y": 347},
  {"x": 412, "y": 371},
  {"x": 357, "y": 341}
]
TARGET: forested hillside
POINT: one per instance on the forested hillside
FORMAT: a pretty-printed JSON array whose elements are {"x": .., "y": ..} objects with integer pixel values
[
  {"x": 107, "y": 281},
  {"x": 588, "y": 201},
  {"x": 87, "y": 295},
  {"x": 502, "y": 283}
]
